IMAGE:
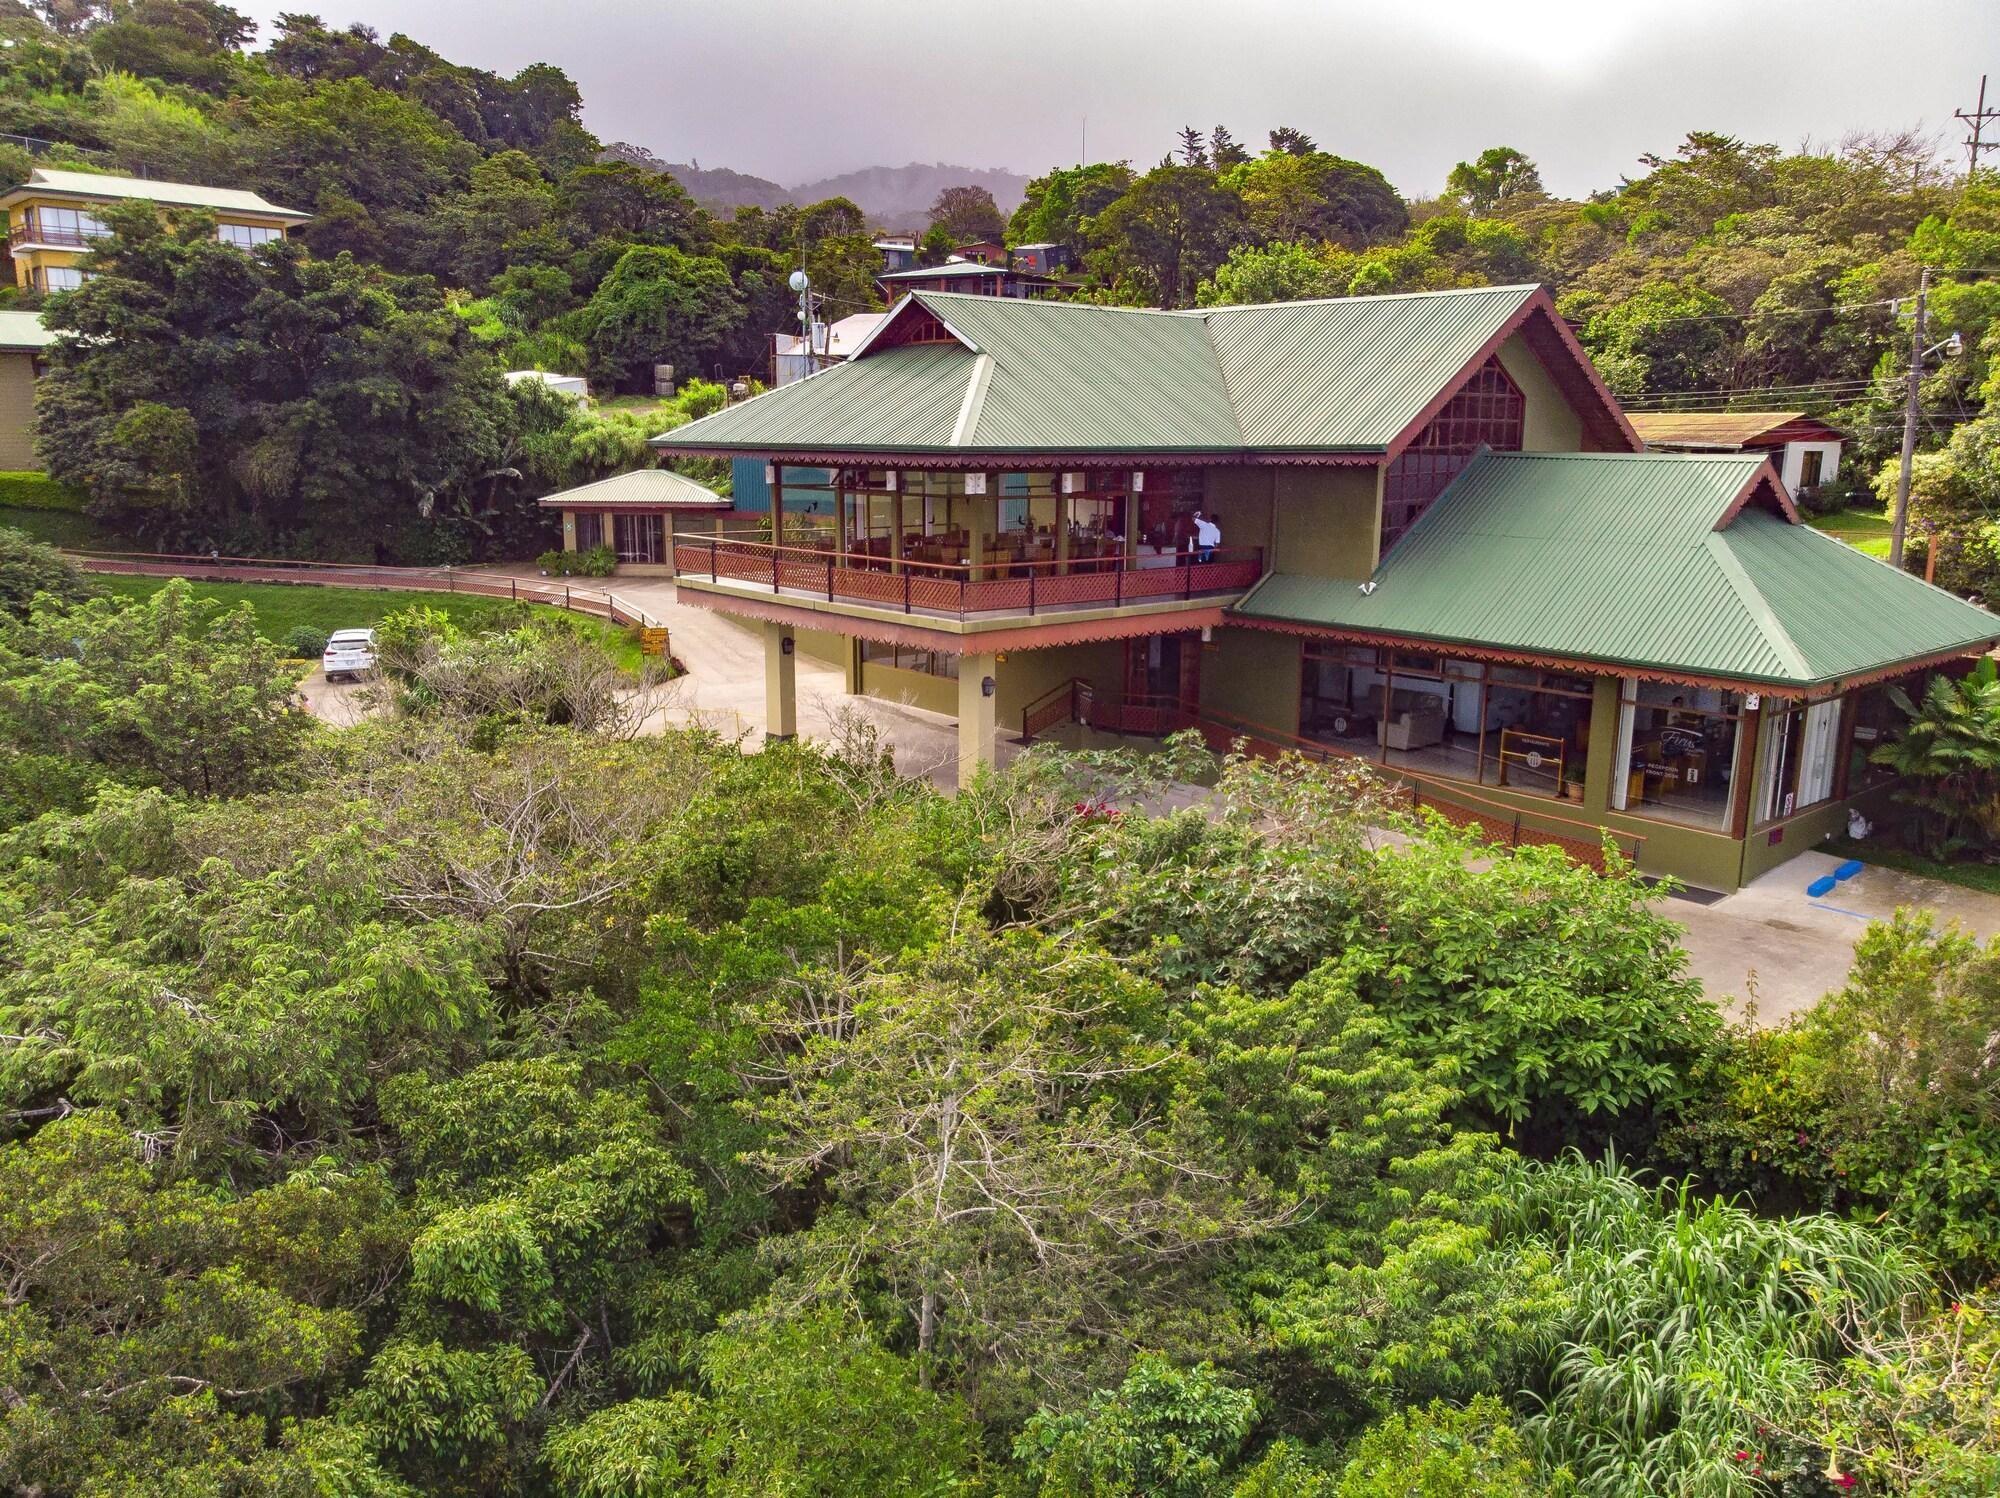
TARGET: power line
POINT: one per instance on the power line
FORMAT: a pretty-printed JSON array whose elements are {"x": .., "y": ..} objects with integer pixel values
[{"x": 1977, "y": 118}]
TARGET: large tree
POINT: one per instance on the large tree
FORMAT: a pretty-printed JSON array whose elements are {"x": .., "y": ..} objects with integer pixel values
[
  {"x": 968, "y": 214},
  {"x": 659, "y": 306},
  {"x": 204, "y": 394},
  {"x": 1167, "y": 235}
]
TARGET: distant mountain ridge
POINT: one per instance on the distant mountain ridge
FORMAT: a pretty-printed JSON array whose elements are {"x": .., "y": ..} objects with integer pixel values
[
  {"x": 899, "y": 197},
  {"x": 893, "y": 197}
]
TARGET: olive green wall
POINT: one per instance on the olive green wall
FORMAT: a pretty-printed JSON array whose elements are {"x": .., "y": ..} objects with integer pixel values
[
  {"x": 1551, "y": 424},
  {"x": 1241, "y": 501},
  {"x": 825, "y": 645},
  {"x": 1253, "y": 674},
  {"x": 1809, "y": 829},
  {"x": 1329, "y": 521},
  {"x": 1017, "y": 680},
  {"x": 1026, "y": 674},
  {"x": 17, "y": 413}
]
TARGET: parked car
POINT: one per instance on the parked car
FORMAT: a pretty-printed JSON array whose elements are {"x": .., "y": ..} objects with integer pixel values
[{"x": 349, "y": 652}]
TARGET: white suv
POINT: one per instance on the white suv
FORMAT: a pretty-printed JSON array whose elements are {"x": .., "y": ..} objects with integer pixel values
[{"x": 349, "y": 652}]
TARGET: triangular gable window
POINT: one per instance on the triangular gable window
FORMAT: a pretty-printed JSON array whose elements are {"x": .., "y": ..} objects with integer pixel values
[{"x": 1488, "y": 412}]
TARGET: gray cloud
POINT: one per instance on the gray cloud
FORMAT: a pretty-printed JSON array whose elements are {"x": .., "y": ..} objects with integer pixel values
[{"x": 793, "y": 91}]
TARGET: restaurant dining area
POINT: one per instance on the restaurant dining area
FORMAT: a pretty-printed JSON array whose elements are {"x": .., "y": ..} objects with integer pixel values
[{"x": 955, "y": 542}]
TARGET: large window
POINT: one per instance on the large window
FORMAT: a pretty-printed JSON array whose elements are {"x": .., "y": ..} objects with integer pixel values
[
  {"x": 64, "y": 226},
  {"x": 640, "y": 538},
  {"x": 590, "y": 527},
  {"x": 1797, "y": 757},
  {"x": 1488, "y": 412},
  {"x": 1677, "y": 751},
  {"x": 903, "y": 658},
  {"x": 1514, "y": 726},
  {"x": 59, "y": 278},
  {"x": 247, "y": 236}
]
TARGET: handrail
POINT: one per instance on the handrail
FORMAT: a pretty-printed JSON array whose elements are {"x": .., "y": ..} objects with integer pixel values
[
  {"x": 959, "y": 588},
  {"x": 877, "y": 561},
  {"x": 600, "y": 602},
  {"x": 1199, "y": 715},
  {"x": 1064, "y": 694}
]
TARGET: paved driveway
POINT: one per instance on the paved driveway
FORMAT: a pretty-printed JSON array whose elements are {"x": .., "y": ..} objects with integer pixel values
[{"x": 1773, "y": 944}]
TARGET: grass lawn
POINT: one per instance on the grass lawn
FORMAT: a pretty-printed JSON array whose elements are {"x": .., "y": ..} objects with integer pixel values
[
  {"x": 282, "y": 607},
  {"x": 1864, "y": 530},
  {"x": 1979, "y": 876}
]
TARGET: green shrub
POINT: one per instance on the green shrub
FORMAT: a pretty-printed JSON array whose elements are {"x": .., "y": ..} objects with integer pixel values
[
  {"x": 305, "y": 641},
  {"x": 595, "y": 561},
  {"x": 37, "y": 491},
  {"x": 27, "y": 568},
  {"x": 1473, "y": 1452}
]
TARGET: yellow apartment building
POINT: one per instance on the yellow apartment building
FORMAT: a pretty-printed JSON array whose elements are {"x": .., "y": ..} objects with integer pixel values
[{"x": 53, "y": 219}]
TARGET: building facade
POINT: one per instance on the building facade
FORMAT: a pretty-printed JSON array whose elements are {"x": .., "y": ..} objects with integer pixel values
[
  {"x": 54, "y": 219},
  {"x": 22, "y": 341},
  {"x": 1804, "y": 450},
  {"x": 1441, "y": 550}
]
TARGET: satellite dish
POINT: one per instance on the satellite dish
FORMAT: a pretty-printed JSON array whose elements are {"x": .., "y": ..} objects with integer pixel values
[{"x": 800, "y": 280}]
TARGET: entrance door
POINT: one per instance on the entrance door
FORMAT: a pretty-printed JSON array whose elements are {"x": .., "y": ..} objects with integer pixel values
[{"x": 1161, "y": 672}]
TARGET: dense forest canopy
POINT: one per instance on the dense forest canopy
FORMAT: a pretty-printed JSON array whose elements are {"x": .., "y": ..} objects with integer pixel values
[
  {"x": 483, "y": 1101},
  {"x": 1723, "y": 269}
]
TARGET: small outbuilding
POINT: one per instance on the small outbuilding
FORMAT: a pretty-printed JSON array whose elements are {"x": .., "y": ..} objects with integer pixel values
[
  {"x": 572, "y": 385},
  {"x": 638, "y": 515},
  {"x": 23, "y": 341},
  {"x": 1804, "y": 449}
]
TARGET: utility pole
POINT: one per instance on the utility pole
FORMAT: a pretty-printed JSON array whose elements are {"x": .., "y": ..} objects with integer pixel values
[
  {"x": 1901, "y": 522},
  {"x": 1977, "y": 117}
]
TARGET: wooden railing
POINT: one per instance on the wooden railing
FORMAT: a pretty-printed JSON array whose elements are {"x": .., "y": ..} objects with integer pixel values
[
  {"x": 598, "y": 602},
  {"x": 961, "y": 588},
  {"x": 1455, "y": 800}
]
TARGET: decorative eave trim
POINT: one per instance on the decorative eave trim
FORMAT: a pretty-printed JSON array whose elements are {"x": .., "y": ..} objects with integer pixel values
[
  {"x": 1600, "y": 666},
  {"x": 1766, "y": 473},
  {"x": 953, "y": 642}
]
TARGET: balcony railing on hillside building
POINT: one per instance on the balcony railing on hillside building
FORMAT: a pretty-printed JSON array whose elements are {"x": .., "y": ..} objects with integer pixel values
[{"x": 961, "y": 589}]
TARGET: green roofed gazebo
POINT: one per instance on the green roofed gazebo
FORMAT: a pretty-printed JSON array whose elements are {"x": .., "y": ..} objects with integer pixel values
[{"x": 637, "y": 515}]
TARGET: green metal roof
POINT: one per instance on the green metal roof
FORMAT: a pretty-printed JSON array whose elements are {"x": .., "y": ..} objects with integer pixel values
[
  {"x": 1342, "y": 376},
  {"x": 643, "y": 487},
  {"x": 49, "y": 181},
  {"x": 24, "y": 330},
  {"x": 1617, "y": 559}
]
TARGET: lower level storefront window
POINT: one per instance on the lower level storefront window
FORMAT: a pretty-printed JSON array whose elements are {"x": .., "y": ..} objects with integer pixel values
[
  {"x": 1520, "y": 727},
  {"x": 1797, "y": 757},
  {"x": 904, "y": 658},
  {"x": 1677, "y": 751}
]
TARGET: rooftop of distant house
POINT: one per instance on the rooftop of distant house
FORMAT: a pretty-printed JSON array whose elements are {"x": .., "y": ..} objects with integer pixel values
[
  {"x": 23, "y": 332},
  {"x": 1728, "y": 431},
  {"x": 45, "y": 182}
]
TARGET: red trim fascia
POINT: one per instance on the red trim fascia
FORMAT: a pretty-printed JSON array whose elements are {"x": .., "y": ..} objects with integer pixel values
[
  {"x": 951, "y": 642},
  {"x": 1554, "y": 333},
  {"x": 1765, "y": 479},
  {"x": 1602, "y": 667},
  {"x": 1536, "y": 312}
]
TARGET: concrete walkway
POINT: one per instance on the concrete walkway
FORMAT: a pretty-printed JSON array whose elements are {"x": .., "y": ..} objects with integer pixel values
[{"x": 1774, "y": 945}]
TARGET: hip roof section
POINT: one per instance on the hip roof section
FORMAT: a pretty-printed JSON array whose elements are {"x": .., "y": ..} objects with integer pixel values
[{"x": 1681, "y": 565}]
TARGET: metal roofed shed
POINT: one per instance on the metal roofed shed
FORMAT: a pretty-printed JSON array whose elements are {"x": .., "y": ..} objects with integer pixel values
[
  {"x": 1726, "y": 431},
  {"x": 572, "y": 385},
  {"x": 646, "y": 488},
  {"x": 1688, "y": 566}
]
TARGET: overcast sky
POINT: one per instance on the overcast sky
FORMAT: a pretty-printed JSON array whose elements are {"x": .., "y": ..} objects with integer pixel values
[{"x": 794, "y": 91}]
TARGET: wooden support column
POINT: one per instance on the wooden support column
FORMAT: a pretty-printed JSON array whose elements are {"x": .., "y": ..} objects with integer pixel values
[
  {"x": 1600, "y": 762},
  {"x": 977, "y": 719},
  {"x": 777, "y": 504},
  {"x": 781, "y": 691},
  {"x": 1132, "y": 512}
]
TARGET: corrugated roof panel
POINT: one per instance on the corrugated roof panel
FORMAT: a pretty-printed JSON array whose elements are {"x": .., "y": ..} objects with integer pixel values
[
  {"x": 172, "y": 194},
  {"x": 1617, "y": 559},
  {"x": 899, "y": 398},
  {"x": 1341, "y": 376},
  {"x": 1350, "y": 372},
  {"x": 24, "y": 330},
  {"x": 1718, "y": 429},
  {"x": 643, "y": 486}
]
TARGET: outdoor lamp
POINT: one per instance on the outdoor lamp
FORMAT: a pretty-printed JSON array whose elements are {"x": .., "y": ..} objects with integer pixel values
[
  {"x": 986, "y": 686},
  {"x": 786, "y": 645}
]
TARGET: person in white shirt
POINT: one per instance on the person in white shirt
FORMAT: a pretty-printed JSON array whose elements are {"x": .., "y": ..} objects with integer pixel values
[{"x": 1207, "y": 536}]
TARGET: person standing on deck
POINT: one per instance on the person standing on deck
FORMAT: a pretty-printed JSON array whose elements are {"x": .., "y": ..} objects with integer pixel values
[{"x": 1207, "y": 536}]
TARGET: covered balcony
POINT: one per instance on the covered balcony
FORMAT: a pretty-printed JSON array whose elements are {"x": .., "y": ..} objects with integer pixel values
[{"x": 966, "y": 546}]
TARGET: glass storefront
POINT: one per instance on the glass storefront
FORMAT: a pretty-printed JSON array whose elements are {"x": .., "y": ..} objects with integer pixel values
[{"x": 1677, "y": 751}]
